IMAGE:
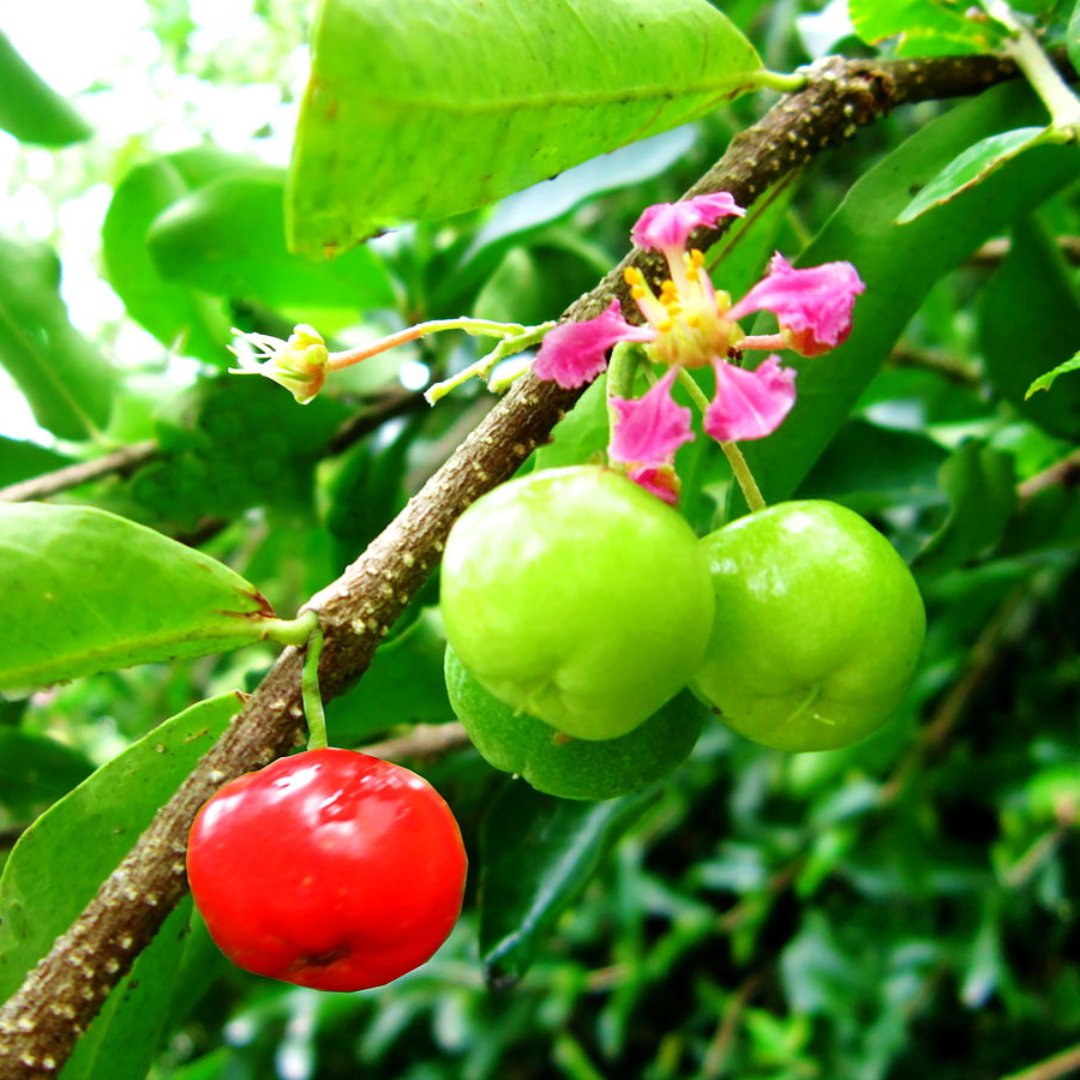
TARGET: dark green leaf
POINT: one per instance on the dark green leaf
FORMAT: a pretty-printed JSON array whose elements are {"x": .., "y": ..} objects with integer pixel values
[
  {"x": 90, "y": 591},
  {"x": 229, "y": 239},
  {"x": 124, "y": 1038},
  {"x": 899, "y": 263},
  {"x": 35, "y": 771},
  {"x": 29, "y": 108},
  {"x": 972, "y": 167},
  {"x": 66, "y": 381},
  {"x": 21, "y": 460},
  {"x": 404, "y": 135},
  {"x": 981, "y": 486},
  {"x": 60, "y": 861},
  {"x": 537, "y": 854},
  {"x": 869, "y": 468},
  {"x": 1029, "y": 323},
  {"x": 404, "y": 685}
]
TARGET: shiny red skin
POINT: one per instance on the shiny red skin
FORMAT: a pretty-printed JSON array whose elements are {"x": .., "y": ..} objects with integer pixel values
[{"x": 330, "y": 869}]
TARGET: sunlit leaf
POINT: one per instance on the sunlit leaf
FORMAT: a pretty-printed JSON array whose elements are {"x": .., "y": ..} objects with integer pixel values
[
  {"x": 925, "y": 27},
  {"x": 972, "y": 167},
  {"x": 64, "y": 378},
  {"x": 31, "y": 110},
  {"x": 389, "y": 131},
  {"x": 82, "y": 591},
  {"x": 1044, "y": 382}
]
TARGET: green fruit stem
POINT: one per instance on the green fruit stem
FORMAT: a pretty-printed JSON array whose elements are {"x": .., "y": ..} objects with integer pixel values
[{"x": 745, "y": 478}]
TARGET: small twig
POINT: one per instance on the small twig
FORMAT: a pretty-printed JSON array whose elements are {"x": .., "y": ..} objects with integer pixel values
[
  {"x": 724, "y": 1039},
  {"x": 119, "y": 462},
  {"x": 954, "y": 371},
  {"x": 991, "y": 254},
  {"x": 1064, "y": 1063},
  {"x": 1064, "y": 473}
]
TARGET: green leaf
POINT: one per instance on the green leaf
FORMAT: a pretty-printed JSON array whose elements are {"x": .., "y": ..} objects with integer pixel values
[
  {"x": 179, "y": 317},
  {"x": 1029, "y": 325},
  {"x": 404, "y": 685},
  {"x": 870, "y": 468},
  {"x": 66, "y": 381},
  {"x": 125, "y": 1036},
  {"x": 31, "y": 110},
  {"x": 1072, "y": 38},
  {"x": 928, "y": 27},
  {"x": 82, "y": 591},
  {"x": 972, "y": 167},
  {"x": 20, "y": 460},
  {"x": 418, "y": 111},
  {"x": 537, "y": 854},
  {"x": 981, "y": 485},
  {"x": 229, "y": 239},
  {"x": 59, "y": 862},
  {"x": 35, "y": 771},
  {"x": 1044, "y": 382},
  {"x": 899, "y": 264}
]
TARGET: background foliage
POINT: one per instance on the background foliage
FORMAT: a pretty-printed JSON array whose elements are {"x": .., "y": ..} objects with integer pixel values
[{"x": 900, "y": 908}]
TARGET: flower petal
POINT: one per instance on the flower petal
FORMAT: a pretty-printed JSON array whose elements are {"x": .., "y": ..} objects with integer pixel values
[
  {"x": 667, "y": 226},
  {"x": 813, "y": 306},
  {"x": 749, "y": 404},
  {"x": 651, "y": 428},
  {"x": 576, "y": 352},
  {"x": 663, "y": 482}
]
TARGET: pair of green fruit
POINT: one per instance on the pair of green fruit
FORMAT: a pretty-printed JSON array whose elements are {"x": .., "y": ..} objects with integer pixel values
[{"x": 576, "y": 601}]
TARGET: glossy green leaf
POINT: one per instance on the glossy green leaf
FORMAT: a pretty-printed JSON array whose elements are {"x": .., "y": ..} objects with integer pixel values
[
  {"x": 981, "y": 485},
  {"x": 1046, "y": 380},
  {"x": 418, "y": 111},
  {"x": 1029, "y": 324},
  {"x": 60, "y": 861},
  {"x": 65, "y": 379},
  {"x": 972, "y": 167},
  {"x": 927, "y": 27},
  {"x": 229, "y": 239},
  {"x": 82, "y": 591},
  {"x": 179, "y": 317},
  {"x": 35, "y": 770},
  {"x": 899, "y": 263},
  {"x": 537, "y": 854},
  {"x": 30, "y": 109}
]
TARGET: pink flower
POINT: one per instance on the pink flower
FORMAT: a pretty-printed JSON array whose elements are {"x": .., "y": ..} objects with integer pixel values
[
  {"x": 813, "y": 306},
  {"x": 576, "y": 352},
  {"x": 668, "y": 225},
  {"x": 749, "y": 404},
  {"x": 651, "y": 428},
  {"x": 663, "y": 482}
]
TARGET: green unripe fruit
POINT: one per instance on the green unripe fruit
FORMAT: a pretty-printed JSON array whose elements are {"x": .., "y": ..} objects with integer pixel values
[
  {"x": 577, "y": 597},
  {"x": 573, "y": 768},
  {"x": 818, "y": 627}
]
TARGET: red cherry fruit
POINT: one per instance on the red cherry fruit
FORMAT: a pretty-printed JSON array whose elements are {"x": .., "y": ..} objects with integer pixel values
[{"x": 330, "y": 869}]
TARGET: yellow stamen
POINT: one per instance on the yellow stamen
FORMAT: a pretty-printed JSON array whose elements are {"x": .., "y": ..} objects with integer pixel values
[{"x": 633, "y": 276}]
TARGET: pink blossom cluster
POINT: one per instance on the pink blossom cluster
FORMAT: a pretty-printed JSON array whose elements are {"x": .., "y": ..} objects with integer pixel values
[{"x": 691, "y": 324}]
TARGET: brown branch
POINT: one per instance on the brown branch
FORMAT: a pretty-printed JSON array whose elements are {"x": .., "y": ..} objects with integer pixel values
[
  {"x": 41, "y": 1022},
  {"x": 1064, "y": 1063},
  {"x": 119, "y": 462}
]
